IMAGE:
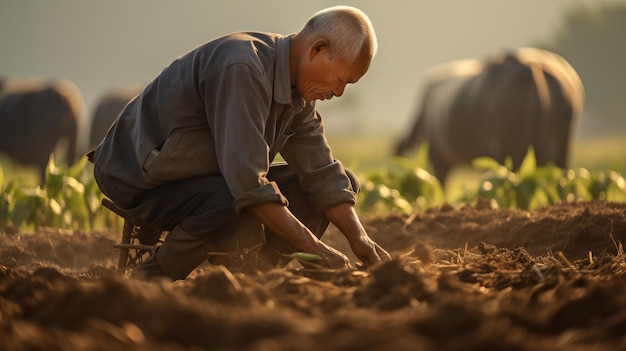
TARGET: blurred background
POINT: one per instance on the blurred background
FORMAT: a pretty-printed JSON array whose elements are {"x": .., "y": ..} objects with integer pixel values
[{"x": 103, "y": 45}]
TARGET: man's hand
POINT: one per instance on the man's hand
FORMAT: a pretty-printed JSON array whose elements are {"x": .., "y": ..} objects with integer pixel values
[
  {"x": 368, "y": 251},
  {"x": 331, "y": 257},
  {"x": 281, "y": 221},
  {"x": 345, "y": 219}
]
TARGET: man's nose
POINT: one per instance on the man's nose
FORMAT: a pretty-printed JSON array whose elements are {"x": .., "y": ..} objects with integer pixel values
[{"x": 339, "y": 91}]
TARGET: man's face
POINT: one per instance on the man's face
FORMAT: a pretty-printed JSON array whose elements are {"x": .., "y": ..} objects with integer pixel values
[{"x": 321, "y": 79}]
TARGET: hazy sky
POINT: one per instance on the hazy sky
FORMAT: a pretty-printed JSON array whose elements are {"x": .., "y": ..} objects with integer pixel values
[{"x": 110, "y": 43}]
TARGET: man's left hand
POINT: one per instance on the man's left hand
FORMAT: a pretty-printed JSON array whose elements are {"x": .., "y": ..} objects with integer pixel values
[{"x": 368, "y": 251}]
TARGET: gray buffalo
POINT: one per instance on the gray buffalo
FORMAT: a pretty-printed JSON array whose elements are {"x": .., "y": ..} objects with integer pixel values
[
  {"x": 35, "y": 116},
  {"x": 108, "y": 106},
  {"x": 498, "y": 107}
]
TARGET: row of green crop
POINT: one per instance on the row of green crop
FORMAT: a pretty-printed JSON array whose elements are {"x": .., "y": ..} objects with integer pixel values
[
  {"x": 71, "y": 199},
  {"x": 407, "y": 187}
]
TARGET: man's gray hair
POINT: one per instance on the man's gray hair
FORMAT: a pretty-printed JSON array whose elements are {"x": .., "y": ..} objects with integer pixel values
[{"x": 347, "y": 29}]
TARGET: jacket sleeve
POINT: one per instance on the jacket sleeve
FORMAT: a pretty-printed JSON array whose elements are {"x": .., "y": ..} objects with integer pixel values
[
  {"x": 237, "y": 103},
  {"x": 309, "y": 154}
]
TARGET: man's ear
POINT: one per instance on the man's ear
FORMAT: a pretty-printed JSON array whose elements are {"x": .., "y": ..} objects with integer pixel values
[{"x": 319, "y": 46}]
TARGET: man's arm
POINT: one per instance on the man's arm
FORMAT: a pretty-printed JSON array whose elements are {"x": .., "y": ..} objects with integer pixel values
[
  {"x": 344, "y": 217},
  {"x": 281, "y": 221}
]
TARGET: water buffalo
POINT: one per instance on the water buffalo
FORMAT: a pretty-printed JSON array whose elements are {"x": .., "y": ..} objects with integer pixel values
[
  {"x": 498, "y": 107},
  {"x": 35, "y": 116},
  {"x": 107, "y": 108}
]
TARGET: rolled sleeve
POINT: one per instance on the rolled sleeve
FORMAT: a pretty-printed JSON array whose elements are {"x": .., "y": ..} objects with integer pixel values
[
  {"x": 329, "y": 186},
  {"x": 267, "y": 193},
  {"x": 322, "y": 202}
]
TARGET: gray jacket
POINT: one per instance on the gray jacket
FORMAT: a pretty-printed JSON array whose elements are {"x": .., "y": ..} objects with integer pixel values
[{"x": 226, "y": 108}]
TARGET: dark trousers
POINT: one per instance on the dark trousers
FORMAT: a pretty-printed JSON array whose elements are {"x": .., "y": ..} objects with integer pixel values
[{"x": 202, "y": 207}]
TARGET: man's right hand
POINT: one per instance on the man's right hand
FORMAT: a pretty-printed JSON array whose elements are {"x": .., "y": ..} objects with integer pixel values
[{"x": 331, "y": 257}]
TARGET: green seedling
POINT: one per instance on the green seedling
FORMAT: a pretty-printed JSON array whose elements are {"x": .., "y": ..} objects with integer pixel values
[{"x": 305, "y": 256}]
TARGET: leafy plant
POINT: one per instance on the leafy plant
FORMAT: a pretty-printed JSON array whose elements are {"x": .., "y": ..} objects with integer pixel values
[
  {"x": 402, "y": 186},
  {"x": 69, "y": 199},
  {"x": 532, "y": 187}
]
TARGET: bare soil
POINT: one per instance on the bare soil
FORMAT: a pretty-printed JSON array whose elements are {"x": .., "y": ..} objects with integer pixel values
[{"x": 470, "y": 278}]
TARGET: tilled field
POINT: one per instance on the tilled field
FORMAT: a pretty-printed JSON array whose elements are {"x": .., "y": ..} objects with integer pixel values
[{"x": 473, "y": 278}]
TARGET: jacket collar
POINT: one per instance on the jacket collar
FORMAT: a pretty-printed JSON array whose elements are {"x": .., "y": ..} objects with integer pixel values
[{"x": 283, "y": 92}]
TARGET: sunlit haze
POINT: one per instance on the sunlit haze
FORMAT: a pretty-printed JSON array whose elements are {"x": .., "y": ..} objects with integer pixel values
[{"x": 106, "y": 44}]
